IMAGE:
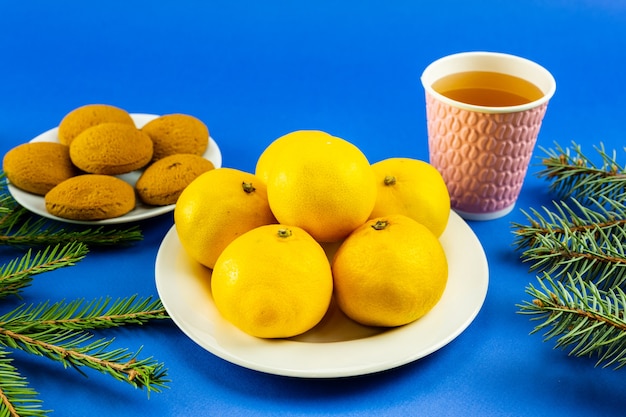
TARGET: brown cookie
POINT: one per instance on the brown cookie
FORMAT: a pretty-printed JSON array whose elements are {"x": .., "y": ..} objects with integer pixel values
[
  {"x": 111, "y": 149},
  {"x": 177, "y": 133},
  {"x": 163, "y": 181},
  {"x": 91, "y": 197},
  {"x": 87, "y": 116},
  {"x": 37, "y": 167}
]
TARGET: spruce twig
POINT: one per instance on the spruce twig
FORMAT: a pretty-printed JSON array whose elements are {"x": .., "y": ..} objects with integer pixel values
[
  {"x": 17, "y": 398},
  {"x": 62, "y": 331},
  {"x": 100, "y": 313},
  {"x": 573, "y": 174},
  {"x": 572, "y": 238},
  {"x": 74, "y": 349},
  {"x": 581, "y": 316},
  {"x": 18, "y": 273},
  {"x": 579, "y": 247}
]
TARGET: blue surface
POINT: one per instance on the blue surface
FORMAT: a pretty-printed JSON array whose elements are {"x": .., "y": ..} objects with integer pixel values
[{"x": 256, "y": 70}]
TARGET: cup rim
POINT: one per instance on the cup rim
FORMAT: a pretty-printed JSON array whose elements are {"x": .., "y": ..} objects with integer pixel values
[{"x": 483, "y": 60}]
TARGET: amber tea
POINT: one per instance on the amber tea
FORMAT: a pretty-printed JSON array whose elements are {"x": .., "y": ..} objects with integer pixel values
[
  {"x": 483, "y": 125},
  {"x": 484, "y": 88}
]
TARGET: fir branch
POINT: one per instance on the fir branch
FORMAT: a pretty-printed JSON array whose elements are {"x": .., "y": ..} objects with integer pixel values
[
  {"x": 572, "y": 238},
  {"x": 581, "y": 317},
  {"x": 74, "y": 349},
  {"x": 17, "y": 399},
  {"x": 19, "y": 272},
  {"x": 80, "y": 315},
  {"x": 7, "y": 202},
  {"x": 573, "y": 174},
  {"x": 580, "y": 247},
  {"x": 60, "y": 331}
]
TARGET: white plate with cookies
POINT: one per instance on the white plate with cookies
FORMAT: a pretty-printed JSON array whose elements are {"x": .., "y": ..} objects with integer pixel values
[{"x": 36, "y": 203}]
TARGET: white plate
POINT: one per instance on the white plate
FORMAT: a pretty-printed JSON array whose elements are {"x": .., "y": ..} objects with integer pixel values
[
  {"x": 37, "y": 204},
  {"x": 337, "y": 347}
]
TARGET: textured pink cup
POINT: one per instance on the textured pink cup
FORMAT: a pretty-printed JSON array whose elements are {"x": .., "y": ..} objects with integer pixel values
[{"x": 483, "y": 152}]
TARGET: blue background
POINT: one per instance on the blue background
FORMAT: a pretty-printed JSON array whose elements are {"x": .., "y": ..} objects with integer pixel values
[{"x": 256, "y": 70}]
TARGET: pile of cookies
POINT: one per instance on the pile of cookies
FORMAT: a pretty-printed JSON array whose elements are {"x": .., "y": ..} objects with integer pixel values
[{"x": 77, "y": 175}]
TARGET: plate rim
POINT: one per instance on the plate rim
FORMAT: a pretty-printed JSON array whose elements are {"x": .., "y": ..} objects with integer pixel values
[
  {"x": 24, "y": 197},
  {"x": 211, "y": 344}
]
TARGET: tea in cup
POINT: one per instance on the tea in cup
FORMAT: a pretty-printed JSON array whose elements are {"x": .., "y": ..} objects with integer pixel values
[{"x": 484, "y": 111}]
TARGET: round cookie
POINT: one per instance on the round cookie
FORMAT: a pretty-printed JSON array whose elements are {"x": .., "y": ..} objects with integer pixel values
[
  {"x": 163, "y": 181},
  {"x": 91, "y": 197},
  {"x": 111, "y": 149},
  {"x": 89, "y": 115},
  {"x": 37, "y": 167},
  {"x": 177, "y": 133}
]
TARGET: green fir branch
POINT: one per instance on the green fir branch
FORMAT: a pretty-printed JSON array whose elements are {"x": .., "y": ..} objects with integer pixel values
[
  {"x": 61, "y": 331},
  {"x": 574, "y": 175},
  {"x": 58, "y": 331},
  {"x": 17, "y": 398},
  {"x": 81, "y": 315},
  {"x": 18, "y": 273},
  {"x": 581, "y": 317},
  {"x": 74, "y": 349},
  {"x": 7, "y": 202},
  {"x": 572, "y": 238},
  {"x": 579, "y": 247}
]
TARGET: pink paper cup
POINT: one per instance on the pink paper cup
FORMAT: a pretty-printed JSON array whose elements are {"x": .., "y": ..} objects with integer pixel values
[{"x": 483, "y": 152}]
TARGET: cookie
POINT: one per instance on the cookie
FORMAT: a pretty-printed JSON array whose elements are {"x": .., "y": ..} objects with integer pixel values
[
  {"x": 111, "y": 149},
  {"x": 177, "y": 133},
  {"x": 163, "y": 181},
  {"x": 87, "y": 116},
  {"x": 37, "y": 167},
  {"x": 91, "y": 197}
]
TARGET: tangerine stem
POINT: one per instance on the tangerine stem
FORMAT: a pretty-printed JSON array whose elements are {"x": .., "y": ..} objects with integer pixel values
[
  {"x": 380, "y": 225},
  {"x": 389, "y": 180},
  {"x": 284, "y": 233},
  {"x": 247, "y": 187}
]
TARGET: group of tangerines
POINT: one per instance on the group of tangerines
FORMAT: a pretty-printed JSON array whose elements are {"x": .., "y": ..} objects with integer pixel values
[{"x": 316, "y": 220}]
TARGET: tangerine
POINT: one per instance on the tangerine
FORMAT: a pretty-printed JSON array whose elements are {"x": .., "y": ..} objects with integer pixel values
[
  {"x": 324, "y": 184},
  {"x": 389, "y": 272},
  {"x": 273, "y": 282},
  {"x": 215, "y": 208},
  {"x": 281, "y": 148},
  {"x": 413, "y": 188}
]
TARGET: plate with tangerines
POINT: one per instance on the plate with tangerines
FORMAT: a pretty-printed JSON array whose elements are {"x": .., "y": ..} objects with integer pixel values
[{"x": 337, "y": 346}]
